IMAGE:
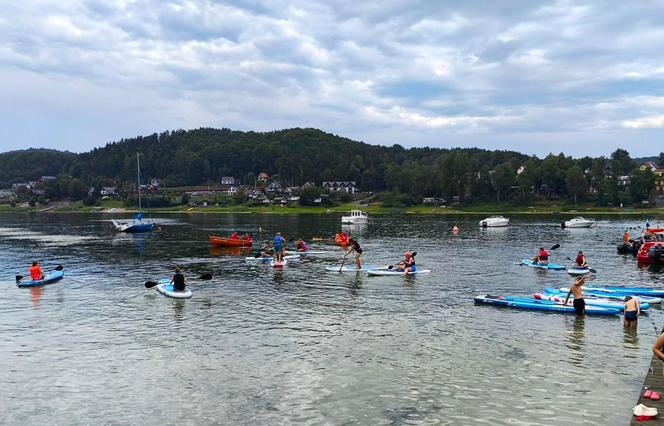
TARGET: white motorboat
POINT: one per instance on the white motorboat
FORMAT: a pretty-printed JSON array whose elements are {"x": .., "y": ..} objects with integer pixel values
[
  {"x": 578, "y": 222},
  {"x": 356, "y": 216},
  {"x": 494, "y": 222}
]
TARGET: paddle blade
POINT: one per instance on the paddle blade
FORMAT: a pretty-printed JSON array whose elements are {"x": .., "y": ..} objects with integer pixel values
[
  {"x": 207, "y": 276},
  {"x": 59, "y": 268},
  {"x": 594, "y": 271},
  {"x": 555, "y": 246},
  {"x": 414, "y": 254},
  {"x": 19, "y": 278},
  {"x": 150, "y": 284}
]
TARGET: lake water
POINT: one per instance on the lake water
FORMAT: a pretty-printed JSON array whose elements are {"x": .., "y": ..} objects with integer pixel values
[{"x": 259, "y": 346}]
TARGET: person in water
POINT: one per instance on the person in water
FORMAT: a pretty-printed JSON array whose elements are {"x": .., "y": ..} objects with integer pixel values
[
  {"x": 301, "y": 245},
  {"x": 234, "y": 236},
  {"x": 355, "y": 247},
  {"x": 542, "y": 257},
  {"x": 580, "y": 261},
  {"x": 179, "y": 281},
  {"x": 632, "y": 311},
  {"x": 578, "y": 303},
  {"x": 279, "y": 244},
  {"x": 36, "y": 272}
]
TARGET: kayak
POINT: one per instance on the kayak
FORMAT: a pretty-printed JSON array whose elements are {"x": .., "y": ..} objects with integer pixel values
[
  {"x": 227, "y": 242},
  {"x": 578, "y": 271},
  {"x": 268, "y": 259},
  {"x": 305, "y": 253},
  {"x": 624, "y": 291},
  {"x": 540, "y": 305},
  {"x": 49, "y": 278},
  {"x": 599, "y": 294},
  {"x": 281, "y": 264},
  {"x": 351, "y": 268},
  {"x": 385, "y": 272},
  {"x": 603, "y": 303},
  {"x": 166, "y": 288},
  {"x": 550, "y": 265}
]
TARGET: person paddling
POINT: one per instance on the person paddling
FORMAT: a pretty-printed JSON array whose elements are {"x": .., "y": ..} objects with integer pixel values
[
  {"x": 179, "y": 281},
  {"x": 279, "y": 247},
  {"x": 407, "y": 264},
  {"x": 578, "y": 303},
  {"x": 632, "y": 311},
  {"x": 301, "y": 246},
  {"x": 234, "y": 236},
  {"x": 542, "y": 257},
  {"x": 355, "y": 247},
  {"x": 580, "y": 261},
  {"x": 36, "y": 272}
]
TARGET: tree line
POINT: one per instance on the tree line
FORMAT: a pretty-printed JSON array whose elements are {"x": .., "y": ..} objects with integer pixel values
[{"x": 297, "y": 156}]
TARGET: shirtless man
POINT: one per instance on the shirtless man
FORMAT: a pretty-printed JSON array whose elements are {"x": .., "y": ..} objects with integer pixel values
[
  {"x": 632, "y": 311},
  {"x": 575, "y": 289}
]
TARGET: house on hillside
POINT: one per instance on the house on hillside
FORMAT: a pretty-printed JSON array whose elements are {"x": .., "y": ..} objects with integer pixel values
[
  {"x": 263, "y": 177},
  {"x": 17, "y": 186},
  {"x": 109, "y": 191},
  {"x": 340, "y": 186},
  {"x": 274, "y": 187},
  {"x": 230, "y": 181},
  {"x": 657, "y": 171},
  {"x": 47, "y": 179},
  {"x": 232, "y": 190},
  {"x": 623, "y": 180}
]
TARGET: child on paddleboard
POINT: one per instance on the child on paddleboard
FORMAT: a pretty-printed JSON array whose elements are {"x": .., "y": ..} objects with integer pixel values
[
  {"x": 355, "y": 247},
  {"x": 179, "y": 281}
]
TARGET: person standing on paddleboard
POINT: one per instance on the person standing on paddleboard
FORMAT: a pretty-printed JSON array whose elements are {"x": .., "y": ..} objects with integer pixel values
[
  {"x": 179, "y": 281},
  {"x": 279, "y": 247},
  {"x": 575, "y": 289},
  {"x": 355, "y": 247}
]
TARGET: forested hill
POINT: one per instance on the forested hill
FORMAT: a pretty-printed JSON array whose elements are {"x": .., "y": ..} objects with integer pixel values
[{"x": 202, "y": 155}]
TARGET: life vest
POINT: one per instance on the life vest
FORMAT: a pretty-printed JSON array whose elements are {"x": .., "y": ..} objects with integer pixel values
[{"x": 35, "y": 272}]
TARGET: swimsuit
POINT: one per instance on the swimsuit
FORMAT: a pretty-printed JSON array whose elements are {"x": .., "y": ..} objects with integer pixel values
[
  {"x": 631, "y": 316},
  {"x": 579, "y": 306}
]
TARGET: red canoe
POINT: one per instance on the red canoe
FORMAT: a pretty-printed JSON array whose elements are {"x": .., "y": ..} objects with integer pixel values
[{"x": 227, "y": 242}]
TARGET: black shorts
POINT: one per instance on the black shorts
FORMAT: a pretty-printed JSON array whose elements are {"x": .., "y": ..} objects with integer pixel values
[
  {"x": 579, "y": 306},
  {"x": 631, "y": 316}
]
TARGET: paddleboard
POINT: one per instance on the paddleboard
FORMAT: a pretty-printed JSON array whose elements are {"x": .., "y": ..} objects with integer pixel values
[
  {"x": 603, "y": 303},
  {"x": 550, "y": 265},
  {"x": 540, "y": 305},
  {"x": 578, "y": 271},
  {"x": 166, "y": 288},
  {"x": 305, "y": 253},
  {"x": 624, "y": 291},
  {"x": 602, "y": 295},
  {"x": 278, "y": 264},
  {"x": 269, "y": 259},
  {"x": 49, "y": 278},
  {"x": 385, "y": 272},
  {"x": 351, "y": 268}
]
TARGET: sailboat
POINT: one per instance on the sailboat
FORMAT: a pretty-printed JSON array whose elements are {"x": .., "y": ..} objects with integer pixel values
[{"x": 137, "y": 224}]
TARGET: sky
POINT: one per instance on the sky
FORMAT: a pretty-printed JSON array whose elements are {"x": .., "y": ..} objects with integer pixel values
[{"x": 579, "y": 77}]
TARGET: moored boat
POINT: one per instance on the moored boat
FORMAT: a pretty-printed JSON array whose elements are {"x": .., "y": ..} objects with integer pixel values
[
  {"x": 578, "y": 222},
  {"x": 494, "y": 222},
  {"x": 356, "y": 216},
  {"x": 228, "y": 242}
]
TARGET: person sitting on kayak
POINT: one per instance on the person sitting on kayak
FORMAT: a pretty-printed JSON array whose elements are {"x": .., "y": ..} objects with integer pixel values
[
  {"x": 234, "y": 236},
  {"x": 578, "y": 303},
  {"x": 279, "y": 247},
  {"x": 301, "y": 246},
  {"x": 179, "y": 281},
  {"x": 542, "y": 257},
  {"x": 632, "y": 311},
  {"x": 246, "y": 237},
  {"x": 355, "y": 247},
  {"x": 36, "y": 271},
  {"x": 580, "y": 261}
]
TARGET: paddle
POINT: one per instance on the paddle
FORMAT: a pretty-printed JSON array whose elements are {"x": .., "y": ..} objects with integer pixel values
[
  {"x": 343, "y": 261},
  {"x": 553, "y": 247},
  {"x": 150, "y": 284},
  {"x": 590, "y": 269},
  {"x": 413, "y": 254},
  {"x": 57, "y": 268}
]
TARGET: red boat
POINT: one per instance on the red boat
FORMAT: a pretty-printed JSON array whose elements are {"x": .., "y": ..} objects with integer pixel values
[
  {"x": 228, "y": 242},
  {"x": 651, "y": 252}
]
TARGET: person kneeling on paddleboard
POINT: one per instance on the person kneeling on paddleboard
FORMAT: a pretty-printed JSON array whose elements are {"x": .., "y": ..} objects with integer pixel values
[
  {"x": 575, "y": 289},
  {"x": 580, "y": 261},
  {"x": 36, "y": 272},
  {"x": 355, "y": 247},
  {"x": 542, "y": 257},
  {"x": 301, "y": 246},
  {"x": 179, "y": 281}
]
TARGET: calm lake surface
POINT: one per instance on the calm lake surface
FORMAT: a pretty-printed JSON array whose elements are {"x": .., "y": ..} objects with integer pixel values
[{"x": 259, "y": 346}]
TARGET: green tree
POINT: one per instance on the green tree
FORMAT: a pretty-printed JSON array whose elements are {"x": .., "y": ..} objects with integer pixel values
[
  {"x": 641, "y": 184},
  {"x": 621, "y": 163},
  {"x": 576, "y": 183},
  {"x": 503, "y": 177},
  {"x": 309, "y": 194}
]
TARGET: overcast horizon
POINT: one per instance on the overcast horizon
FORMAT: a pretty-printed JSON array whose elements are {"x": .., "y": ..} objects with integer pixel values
[{"x": 583, "y": 78}]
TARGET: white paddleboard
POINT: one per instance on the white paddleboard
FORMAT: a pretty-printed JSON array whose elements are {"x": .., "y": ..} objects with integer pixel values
[
  {"x": 351, "y": 268},
  {"x": 166, "y": 288},
  {"x": 394, "y": 273}
]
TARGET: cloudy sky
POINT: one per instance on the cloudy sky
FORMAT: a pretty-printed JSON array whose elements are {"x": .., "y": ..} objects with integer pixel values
[{"x": 581, "y": 77}]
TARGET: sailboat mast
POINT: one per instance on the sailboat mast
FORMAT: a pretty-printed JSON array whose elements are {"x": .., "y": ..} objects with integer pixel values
[{"x": 138, "y": 178}]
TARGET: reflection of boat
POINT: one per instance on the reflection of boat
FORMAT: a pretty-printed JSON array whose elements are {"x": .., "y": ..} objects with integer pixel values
[
  {"x": 356, "y": 216},
  {"x": 578, "y": 222},
  {"x": 494, "y": 222},
  {"x": 229, "y": 251},
  {"x": 137, "y": 224},
  {"x": 228, "y": 242},
  {"x": 354, "y": 228}
]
